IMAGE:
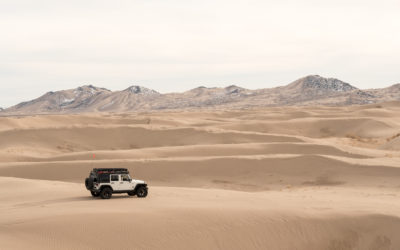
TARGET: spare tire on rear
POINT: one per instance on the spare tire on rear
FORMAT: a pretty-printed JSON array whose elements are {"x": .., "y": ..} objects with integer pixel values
[{"x": 89, "y": 183}]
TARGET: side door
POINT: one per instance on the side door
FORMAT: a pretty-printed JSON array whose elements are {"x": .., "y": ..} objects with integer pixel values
[
  {"x": 114, "y": 181},
  {"x": 125, "y": 182}
]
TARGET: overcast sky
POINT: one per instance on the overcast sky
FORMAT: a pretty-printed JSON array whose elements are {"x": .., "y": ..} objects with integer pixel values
[{"x": 176, "y": 45}]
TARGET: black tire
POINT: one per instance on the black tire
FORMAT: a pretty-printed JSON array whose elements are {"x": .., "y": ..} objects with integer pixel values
[
  {"x": 131, "y": 193},
  {"x": 89, "y": 183},
  {"x": 106, "y": 193},
  {"x": 141, "y": 192},
  {"x": 95, "y": 194}
]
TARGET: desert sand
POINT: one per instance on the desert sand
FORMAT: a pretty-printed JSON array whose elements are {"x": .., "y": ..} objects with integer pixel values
[{"x": 270, "y": 178}]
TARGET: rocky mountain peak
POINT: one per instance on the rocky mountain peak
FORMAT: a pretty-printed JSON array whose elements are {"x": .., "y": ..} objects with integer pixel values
[
  {"x": 395, "y": 87},
  {"x": 234, "y": 90},
  {"x": 201, "y": 90},
  {"x": 90, "y": 89},
  {"x": 316, "y": 82},
  {"x": 139, "y": 90},
  {"x": 233, "y": 87}
]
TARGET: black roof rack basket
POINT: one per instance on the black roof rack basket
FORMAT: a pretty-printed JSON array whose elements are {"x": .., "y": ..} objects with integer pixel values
[{"x": 111, "y": 170}]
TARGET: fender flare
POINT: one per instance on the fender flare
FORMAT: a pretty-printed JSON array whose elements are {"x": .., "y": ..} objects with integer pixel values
[{"x": 104, "y": 186}]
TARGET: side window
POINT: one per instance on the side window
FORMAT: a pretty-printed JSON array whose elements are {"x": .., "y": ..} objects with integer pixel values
[
  {"x": 114, "y": 177},
  {"x": 125, "y": 177}
]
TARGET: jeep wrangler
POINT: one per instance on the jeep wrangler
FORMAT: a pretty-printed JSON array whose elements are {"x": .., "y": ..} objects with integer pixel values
[{"x": 104, "y": 182}]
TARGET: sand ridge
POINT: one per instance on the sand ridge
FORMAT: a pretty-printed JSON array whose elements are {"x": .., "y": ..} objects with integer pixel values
[{"x": 274, "y": 178}]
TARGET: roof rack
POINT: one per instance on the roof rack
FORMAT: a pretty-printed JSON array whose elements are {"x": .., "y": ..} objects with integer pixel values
[{"x": 111, "y": 170}]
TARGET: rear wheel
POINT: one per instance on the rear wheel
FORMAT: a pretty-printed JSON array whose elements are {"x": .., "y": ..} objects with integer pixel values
[
  {"x": 95, "y": 194},
  {"x": 141, "y": 192},
  {"x": 106, "y": 193}
]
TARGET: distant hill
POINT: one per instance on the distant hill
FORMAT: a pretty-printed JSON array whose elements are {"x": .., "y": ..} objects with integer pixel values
[
  {"x": 309, "y": 90},
  {"x": 317, "y": 84}
]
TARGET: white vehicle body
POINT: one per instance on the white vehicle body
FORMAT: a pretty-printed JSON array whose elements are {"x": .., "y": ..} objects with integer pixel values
[
  {"x": 121, "y": 182},
  {"x": 105, "y": 182}
]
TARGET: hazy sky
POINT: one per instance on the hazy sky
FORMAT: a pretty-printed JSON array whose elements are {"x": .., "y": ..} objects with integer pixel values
[{"x": 173, "y": 45}]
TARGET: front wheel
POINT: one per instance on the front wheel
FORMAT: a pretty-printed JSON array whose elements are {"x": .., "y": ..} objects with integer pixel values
[
  {"x": 141, "y": 192},
  {"x": 106, "y": 193}
]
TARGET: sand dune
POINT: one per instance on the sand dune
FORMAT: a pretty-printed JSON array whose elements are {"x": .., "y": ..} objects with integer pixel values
[
  {"x": 189, "y": 151},
  {"x": 250, "y": 173},
  {"x": 319, "y": 128},
  {"x": 393, "y": 143},
  {"x": 100, "y": 138},
  {"x": 61, "y": 216},
  {"x": 276, "y": 178}
]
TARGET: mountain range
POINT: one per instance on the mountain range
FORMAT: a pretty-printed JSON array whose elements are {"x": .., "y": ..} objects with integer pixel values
[{"x": 309, "y": 90}]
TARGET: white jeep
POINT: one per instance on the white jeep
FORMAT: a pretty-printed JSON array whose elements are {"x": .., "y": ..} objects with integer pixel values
[{"x": 104, "y": 182}]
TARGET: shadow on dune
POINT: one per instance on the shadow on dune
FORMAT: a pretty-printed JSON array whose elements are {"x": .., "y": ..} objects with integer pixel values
[{"x": 70, "y": 199}]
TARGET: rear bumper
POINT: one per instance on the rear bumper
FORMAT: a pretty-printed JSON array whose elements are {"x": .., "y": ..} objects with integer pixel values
[{"x": 94, "y": 189}]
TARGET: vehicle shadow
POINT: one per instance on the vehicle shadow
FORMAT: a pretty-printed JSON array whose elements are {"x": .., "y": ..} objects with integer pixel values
[
  {"x": 87, "y": 198},
  {"x": 69, "y": 199},
  {"x": 115, "y": 196}
]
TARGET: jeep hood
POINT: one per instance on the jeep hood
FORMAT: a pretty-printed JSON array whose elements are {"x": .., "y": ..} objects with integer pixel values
[{"x": 139, "y": 181}]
